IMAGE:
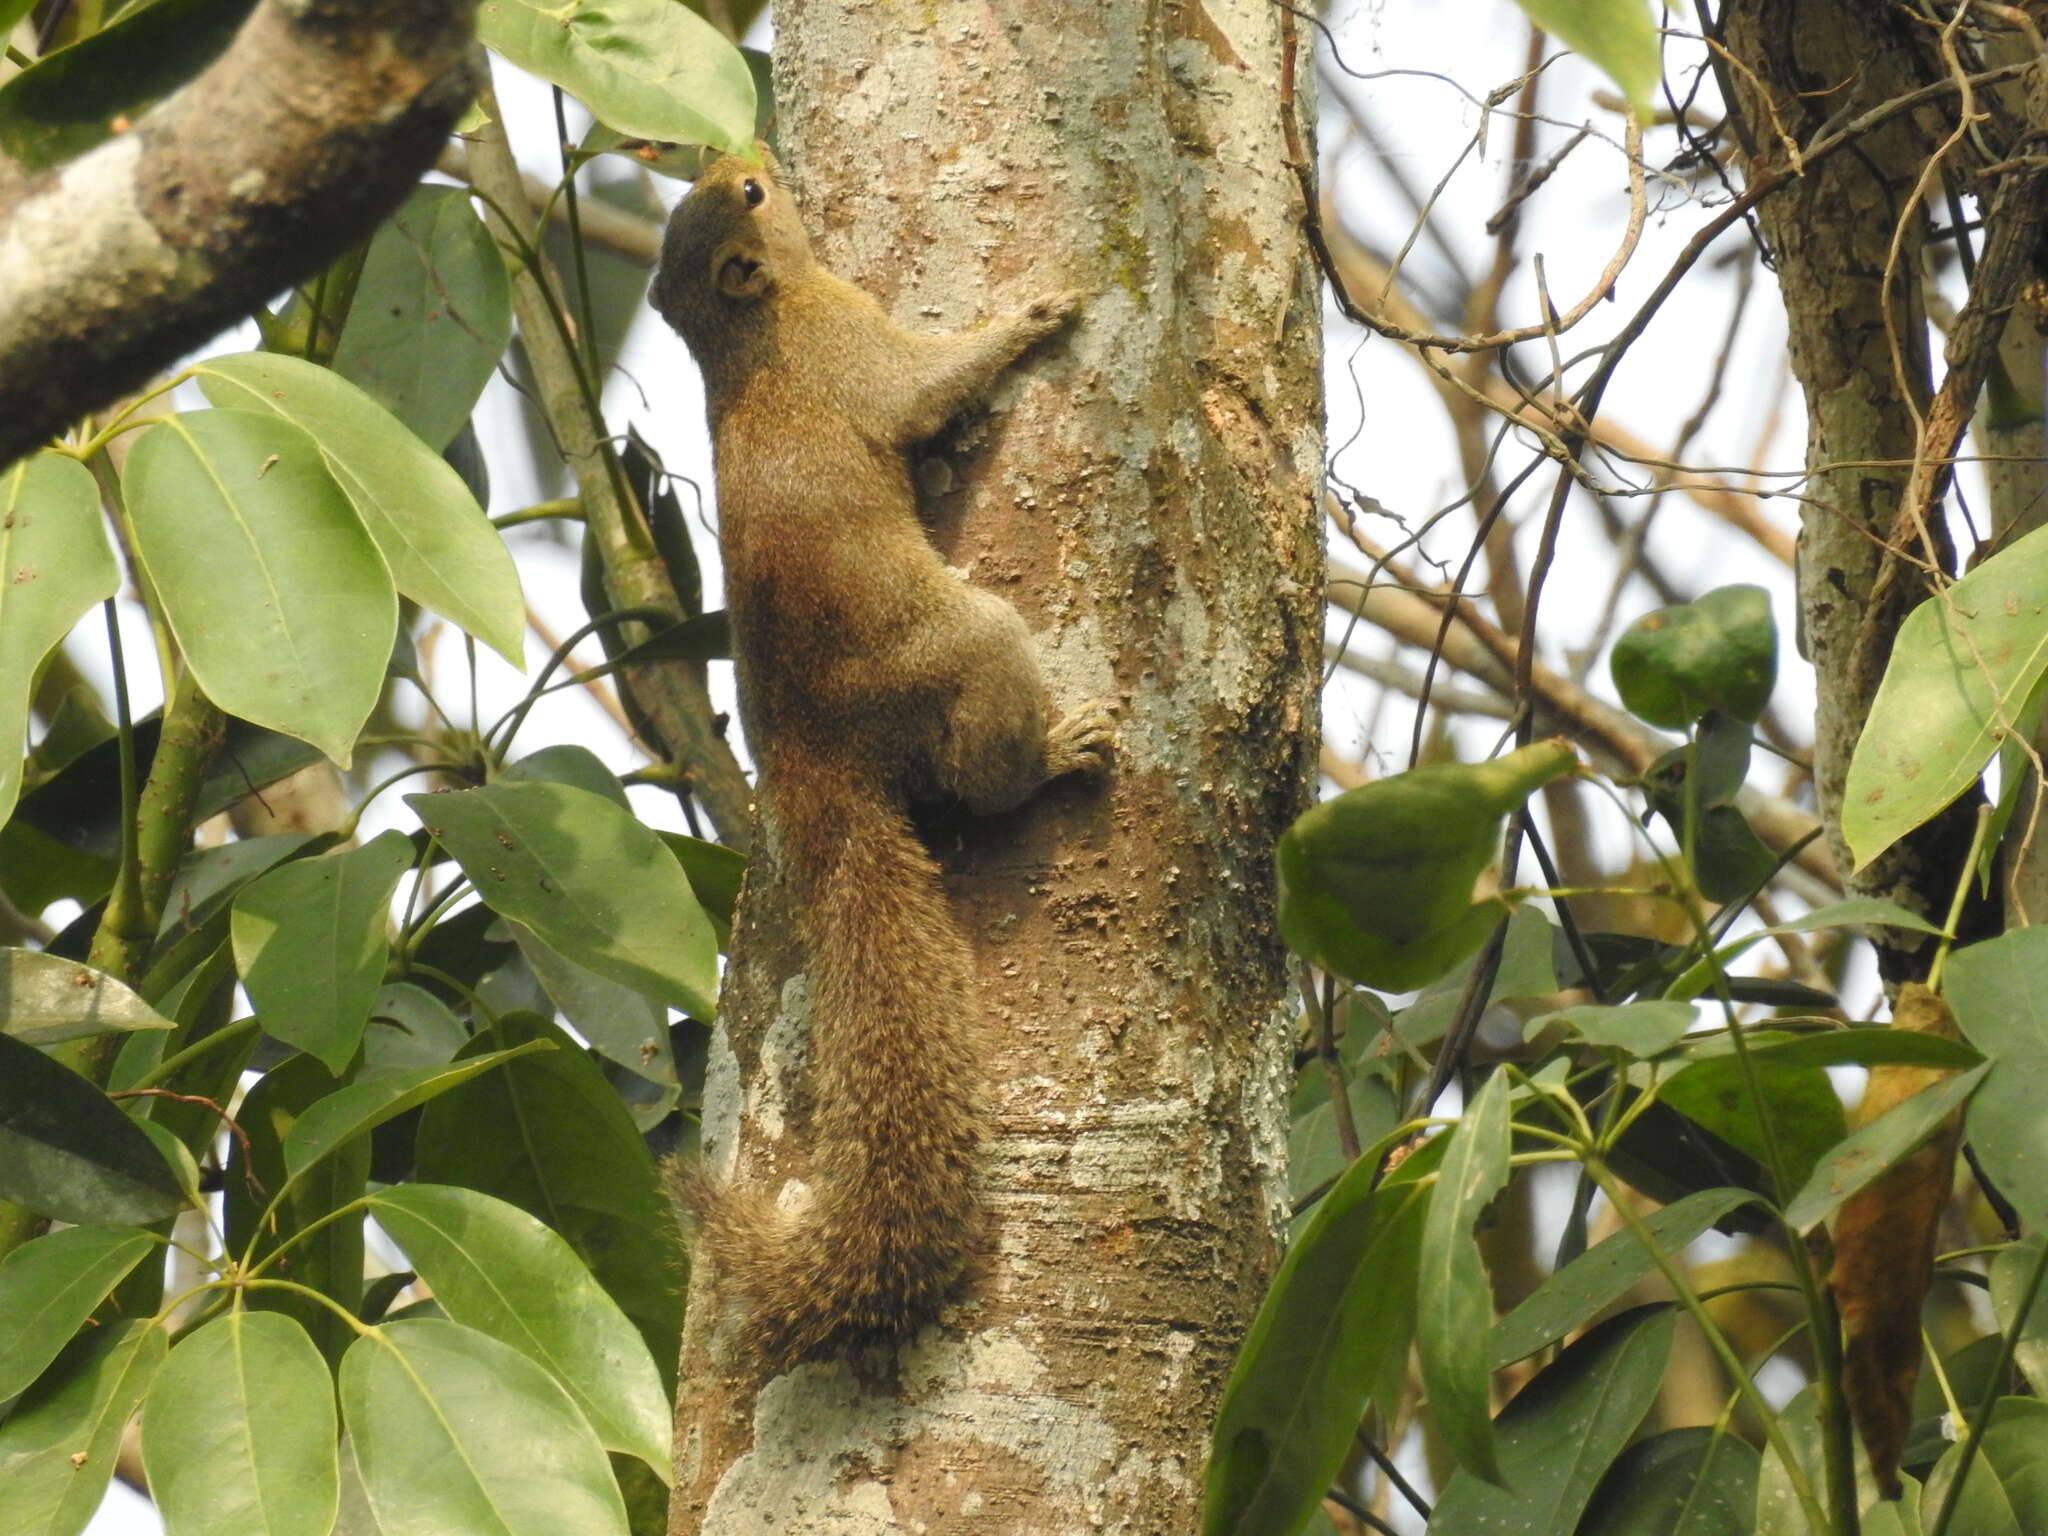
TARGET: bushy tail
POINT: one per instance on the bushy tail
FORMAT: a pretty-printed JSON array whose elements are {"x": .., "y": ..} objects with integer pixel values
[{"x": 895, "y": 1073}]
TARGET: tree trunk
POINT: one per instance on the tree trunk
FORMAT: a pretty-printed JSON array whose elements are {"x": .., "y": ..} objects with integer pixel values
[
  {"x": 1148, "y": 494},
  {"x": 1846, "y": 238}
]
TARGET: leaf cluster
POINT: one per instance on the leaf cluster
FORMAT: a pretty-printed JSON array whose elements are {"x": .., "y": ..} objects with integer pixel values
[
  {"x": 1684, "y": 1095},
  {"x": 333, "y": 1156}
]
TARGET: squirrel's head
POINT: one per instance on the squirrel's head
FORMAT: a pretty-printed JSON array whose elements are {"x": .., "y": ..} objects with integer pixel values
[{"x": 730, "y": 244}]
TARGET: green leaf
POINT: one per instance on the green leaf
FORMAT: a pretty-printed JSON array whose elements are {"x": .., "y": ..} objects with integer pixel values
[
  {"x": 238, "y": 1432},
  {"x": 1562, "y": 1430},
  {"x": 592, "y": 881},
  {"x": 207, "y": 881},
  {"x": 361, "y": 1107},
  {"x": 1857, "y": 912},
  {"x": 707, "y": 637},
  {"x": 648, "y": 68},
  {"x": 1454, "y": 1304},
  {"x": 37, "y": 869},
  {"x": 442, "y": 551},
  {"x": 67, "y": 1152},
  {"x": 278, "y": 598},
  {"x": 714, "y": 872},
  {"x": 567, "y": 763},
  {"x": 1604, "y": 1273},
  {"x": 1868, "y": 1152},
  {"x": 1960, "y": 677},
  {"x": 620, "y": 1022},
  {"x": 1684, "y": 1482},
  {"x": 2006, "y": 1490},
  {"x": 498, "y": 1270},
  {"x": 54, "y": 566},
  {"x": 1641, "y": 1029},
  {"x": 311, "y": 942},
  {"x": 1528, "y": 970},
  {"x": 326, "y": 1251},
  {"x": 1376, "y": 884},
  {"x": 50, "y": 1286},
  {"x": 1999, "y": 991},
  {"x": 548, "y": 1134},
  {"x": 1894, "y": 1517},
  {"x": 2010, "y": 1272},
  {"x": 431, "y": 317},
  {"x": 409, "y": 1027},
  {"x": 453, "y": 1431},
  {"x": 201, "y": 1005},
  {"x": 1857, "y": 1046},
  {"x": 355, "y": 1518},
  {"x": 1804, "y": 1113},
  {"x": 45, "y": 998},
  {"x": 1314, "y": 1152},
  {"x": 1617, "y": 37},
  {"x": 78, "y": 812},
  {"x": 58, "y": 1447},
  {"x": 179, "y": 1159},
  {"x": 1719, "y": 652},
  {"x": 1336, "y": 1319},
  {"x": 193, "y": 952},
  {"x": 65, "y": 104},
  {"x": 1700, "y": 781}
]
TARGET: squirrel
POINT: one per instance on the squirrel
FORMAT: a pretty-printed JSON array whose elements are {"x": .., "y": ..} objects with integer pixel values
[{"x": 871, "y": 679}]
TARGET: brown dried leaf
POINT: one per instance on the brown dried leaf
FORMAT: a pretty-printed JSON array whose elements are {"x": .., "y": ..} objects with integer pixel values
[{"x": 1884, "y": 1251}]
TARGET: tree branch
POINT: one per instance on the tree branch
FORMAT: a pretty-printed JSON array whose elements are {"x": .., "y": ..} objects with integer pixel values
[
  {"x": 674, "y": 700},
  {"x": 288, "y": 149}
]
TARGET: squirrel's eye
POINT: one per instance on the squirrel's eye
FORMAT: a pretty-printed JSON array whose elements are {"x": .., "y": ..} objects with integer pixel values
[{"x": 753, "y": 192}]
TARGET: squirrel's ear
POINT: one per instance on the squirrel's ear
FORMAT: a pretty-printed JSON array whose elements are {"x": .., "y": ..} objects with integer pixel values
[{"x": 738, "y": 275}]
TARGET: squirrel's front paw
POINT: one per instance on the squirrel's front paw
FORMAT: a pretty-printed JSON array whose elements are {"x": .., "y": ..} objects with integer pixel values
[
  {"x": 1082, "y": 741},
  {"x": 1048, "y": 314}
]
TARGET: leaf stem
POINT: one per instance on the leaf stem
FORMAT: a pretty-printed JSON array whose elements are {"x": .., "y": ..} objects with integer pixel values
[
  {"x": 360, "y": 1328},
  {"x": 253, "y": 1268},
  {"x": 164, "y": 1070},
  {"x": 1980, "y": 1417},
  {"x": 1962, "y": 894},
  {"x": 1802, "y": 1487},
  {"x": 568, "y": 507}
]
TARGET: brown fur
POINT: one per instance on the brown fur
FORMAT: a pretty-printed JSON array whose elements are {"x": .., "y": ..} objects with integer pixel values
[{"x": 871, "y": 678}]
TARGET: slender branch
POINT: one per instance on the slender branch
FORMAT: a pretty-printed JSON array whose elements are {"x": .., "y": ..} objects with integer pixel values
[
  {"x": 673, "y": 700},
  {"x": 164, "y": 807},
  {"x": 2016, "y": 220}
]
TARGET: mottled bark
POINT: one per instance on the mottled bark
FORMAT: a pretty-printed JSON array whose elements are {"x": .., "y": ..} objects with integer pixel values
[
  {"x": 2008, "y": 432},
  {"x": 1846, "y": 239},
  {"x": 1148, "y": 493},
  {"x": 289, "y": 148}
]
